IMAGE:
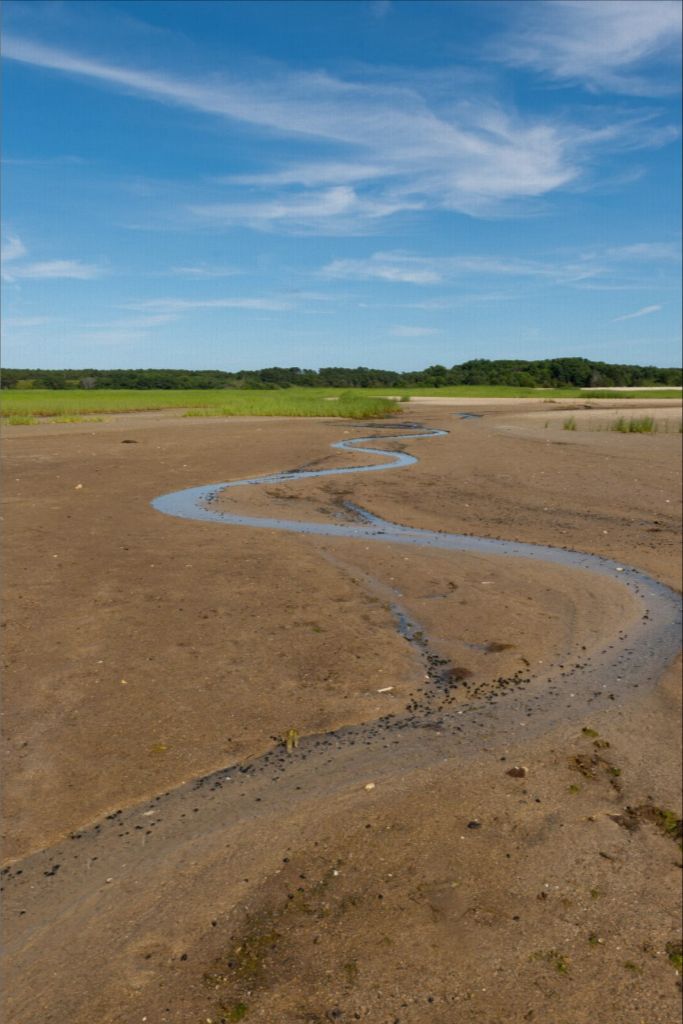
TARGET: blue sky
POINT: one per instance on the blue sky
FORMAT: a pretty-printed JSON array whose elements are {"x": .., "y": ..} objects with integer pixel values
[{"x": 390, "y": 184}]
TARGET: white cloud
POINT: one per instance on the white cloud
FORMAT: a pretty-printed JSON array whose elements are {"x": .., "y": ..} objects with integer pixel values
[
  {"x": 399, "y": 145},
  {"x": 339, "y": 208},
  {"x": 308, "y": 174},
  {"x": 423, "y": 270},
  {"x": 398, "y": 267},
  {"x": 12, "y": 249},
  {"x": 614, "y": 45},
  {"x": 646, "y": 251},
  {"x": 24, "y": 322},
  {"x": 55, "y": 269},
  {"x": 639, "y": 312},
  {"x": 204, "y": 271},
  {"x": 177, "y": 305},
  {"x": 602, "y": 268},
  {"x": 409, "y": 331}
]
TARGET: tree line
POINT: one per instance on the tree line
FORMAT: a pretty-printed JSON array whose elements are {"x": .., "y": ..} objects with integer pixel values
[{"x": 571, "y": 372}]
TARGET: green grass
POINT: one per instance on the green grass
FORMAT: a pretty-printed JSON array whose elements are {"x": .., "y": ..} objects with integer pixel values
[
  {"x": 355, "y": 403},
  {"x": 71, "y": 406},
  {"x": 644, "y": 393},
  {"x": 284, "y": 403},
  {"x": 76, "y": 419},
  {"x": 569, "y": 424},
  {"x": 635, "y": 425},
  {"x": 21, "y": 421},
  {"x": 674, "y": 952}
]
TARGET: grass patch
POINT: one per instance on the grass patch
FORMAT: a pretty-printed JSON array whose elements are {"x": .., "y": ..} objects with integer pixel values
[
  {"x": 635, "y": 425},
  {"x": 77, "y": 419},
  {"x": 674, "y": 952},
  {"x": 259, "y": 403},
  {"x": 644, "y": 393},
  {"x": 236, "y": 1012},
  {"x": 21, "y": 421},
  {"x": 569, "y": 424},
  {"x": 555, "y": 959}
]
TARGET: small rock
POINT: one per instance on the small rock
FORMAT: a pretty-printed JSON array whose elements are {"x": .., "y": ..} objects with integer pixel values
[
  {"x": 518, "y": 772},
  {"x": 474, "y": 824},
  {"x": 78, "y": 487},
  {"x": 368, "y": 786}
]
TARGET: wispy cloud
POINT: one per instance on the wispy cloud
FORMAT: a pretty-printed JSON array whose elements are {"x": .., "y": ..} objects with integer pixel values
[
  {"x": 339, "y": 209},
  {"x": 204, "y": 271},
  {"x": 410, "y": 331},
  {"x": 645, "y": 311},
  {"x": 397, "y": 145},
  {"x": 14, "y": 251},
  {"x": 308, "y": 174},
  {"x": 616, "y": 45},
  {"x": 53, "y": 270},
  {"x": 404, "y": 268},
  {"x": 602, "y": 267},
  {"x": 386, "y": 266},
  {"x": 25, "y": 322},
  {"x": 179, "y": 305},
  {"x": 666, "y": 252}
]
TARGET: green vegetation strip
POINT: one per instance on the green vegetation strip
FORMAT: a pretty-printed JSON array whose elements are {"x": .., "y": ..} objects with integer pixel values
[
  {"x": 20, "y": 407},
  {"x": 358, "y": 403}
]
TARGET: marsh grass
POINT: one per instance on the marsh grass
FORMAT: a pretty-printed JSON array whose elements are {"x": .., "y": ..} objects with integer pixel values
[
  {"x": 627, "y": 425},
  {"x": 21, "y": 421},
  {"x": 635, "y": 425},
  {"x": 347, "y": 405},
  {"x": 76, "y": 419},
  {"x": 288, "y": 402},
  {"x": 72, "y": 406}
]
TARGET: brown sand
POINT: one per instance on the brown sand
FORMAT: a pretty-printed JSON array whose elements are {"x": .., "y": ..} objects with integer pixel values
[{"x": 144, "y": 651}]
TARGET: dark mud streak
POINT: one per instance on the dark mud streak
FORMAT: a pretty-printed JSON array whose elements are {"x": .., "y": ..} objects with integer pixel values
[{"x": 427, "y": 731}]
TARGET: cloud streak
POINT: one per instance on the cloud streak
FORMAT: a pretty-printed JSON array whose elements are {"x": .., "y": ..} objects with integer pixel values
[
  {"x": 178, "y": 305},
  {"x": 645, "y": 311},
  {"x": 404, "y": 268},
  {"x": 609, "y": 45},
  {"x": 14, "y": 251},
  {"x": 599, "y": 268},
  {"x": 55, "y": 270},
  {"x": 410, "y": 331},
  {"x": 398, "y": 148}
]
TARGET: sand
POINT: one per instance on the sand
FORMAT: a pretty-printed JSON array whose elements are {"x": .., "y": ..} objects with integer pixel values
[{"x": 145, "y": 652}]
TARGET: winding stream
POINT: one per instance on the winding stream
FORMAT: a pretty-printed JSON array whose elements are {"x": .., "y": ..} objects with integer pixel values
[
  {"x": 198, "y": 503},
  {"x": 229, "y": 801}
]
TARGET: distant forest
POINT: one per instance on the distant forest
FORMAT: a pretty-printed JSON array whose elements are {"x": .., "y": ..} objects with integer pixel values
[{"x": 537, "y": 373}]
